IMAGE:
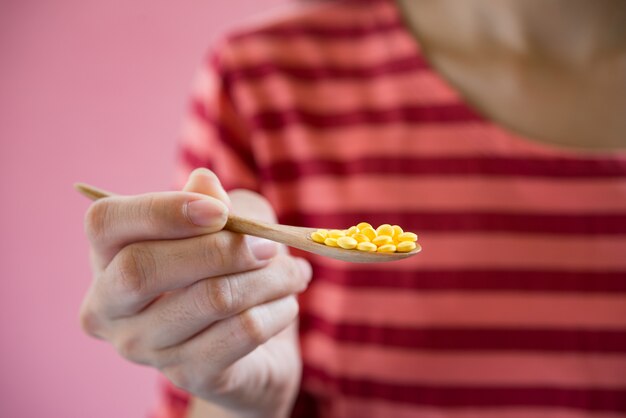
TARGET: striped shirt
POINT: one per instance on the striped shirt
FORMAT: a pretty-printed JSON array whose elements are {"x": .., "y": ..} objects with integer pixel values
[{"x": 517, "y": 305}]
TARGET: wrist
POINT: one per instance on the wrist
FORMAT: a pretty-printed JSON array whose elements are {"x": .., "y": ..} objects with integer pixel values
[
  {"x": 199, "y": 408},
  {"x": 276, "y": 405}
]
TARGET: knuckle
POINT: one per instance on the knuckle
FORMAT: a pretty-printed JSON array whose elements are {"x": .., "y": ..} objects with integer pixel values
[
  {"x": 97, "y": 220},
  {"x": 220, "y": 296},
  {"x": 226, "y": 251},
  {"x": 89, "y": 322},
  {"x": 219, "y": 252},
  {"x": 253, "y": 327},
  {"x": 150, "y": 210},
  {"x": 135, "y": 265},
  {"x": 131, "y": 348},
  {"x": 184, "y": 378},
  {"x": 161, "y": 211}
]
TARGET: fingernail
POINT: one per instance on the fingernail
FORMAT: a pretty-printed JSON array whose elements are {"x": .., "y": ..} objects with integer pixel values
[
  {"x": 262, "y": 249},
  {"x": 205, "y": 212}
]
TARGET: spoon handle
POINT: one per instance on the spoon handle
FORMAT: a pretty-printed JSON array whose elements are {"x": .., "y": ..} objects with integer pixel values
[
  {"x": 91, "y": 192},
  {"x": 293, "y": 236}
]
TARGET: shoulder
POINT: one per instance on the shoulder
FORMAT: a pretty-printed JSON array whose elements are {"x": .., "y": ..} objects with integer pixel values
[
  {"x": 313, "y": 18},
  {"x": 302, "y": 29}
]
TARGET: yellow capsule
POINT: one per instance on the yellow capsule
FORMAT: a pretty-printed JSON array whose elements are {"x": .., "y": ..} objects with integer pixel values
[
  {"x": 369, "y": 232},
  {"x": 363, "y": 225},
  {"x": 406, "y": 246},
  {"x": 331, "y": 242},
  {"x": 347, "y": 242},
  {"x": 382, "y": 240},
  {"x": 352, "y": 230},
  {"x": 360, "y": 238},
  {"x": 397, "y": 230},
  {"x": 388, "y": 248},
  {"x": 336, "y": 233},
  {"x": 318, "y": 237},
  {"x": 407, "y": 236},
  {"x": 324, "y": 232},
  {"x": 366, "y": 246},
  {"x": 385, "y": 229}
]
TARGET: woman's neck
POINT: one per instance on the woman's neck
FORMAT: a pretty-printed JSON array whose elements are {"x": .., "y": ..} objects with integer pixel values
[
  {"x": 572, "y": 32},
  {"x": 553, "y": 70}
]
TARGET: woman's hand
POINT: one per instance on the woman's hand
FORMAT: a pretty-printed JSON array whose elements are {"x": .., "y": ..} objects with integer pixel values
[{"x": 213, "y": 310}]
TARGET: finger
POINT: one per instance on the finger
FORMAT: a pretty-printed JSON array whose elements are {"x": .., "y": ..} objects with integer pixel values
[
  {"x": 195, "y": 363},
  {"x": 202, "y": 180},
  {"x": 252, "y": 205},
  {"x": 143, "y": 270},
  {"x": 180, "y": 315},
  {"x": 114, "y": 222}
]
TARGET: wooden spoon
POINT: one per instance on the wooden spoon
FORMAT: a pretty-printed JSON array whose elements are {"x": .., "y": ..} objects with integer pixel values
[{"x": 293, "y": 236}]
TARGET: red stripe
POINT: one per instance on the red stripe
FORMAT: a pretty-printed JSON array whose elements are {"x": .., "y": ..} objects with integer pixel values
[
  {"x": 475, "y": 280},
  {"x": 320, "y": 73},
  {"x": 483, "y": 166},
  {"x": 279, "y": 119},
  {"x": 226, "y": 137},
  {"x": 305, "y": 406},
  {"x": 458, "y": 222},
  {"x": 319, "y": 32},
  {"x": 460, "y": 339},
  {"x": 456, "y": 397}
]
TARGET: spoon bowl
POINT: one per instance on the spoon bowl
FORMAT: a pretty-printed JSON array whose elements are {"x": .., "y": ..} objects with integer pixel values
[
  {"x": 300, "y": 237},
  {"x": 293, "y": 236}
]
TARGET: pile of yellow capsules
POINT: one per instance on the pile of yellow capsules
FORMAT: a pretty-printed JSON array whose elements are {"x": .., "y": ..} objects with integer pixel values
[{"x": 363, "y": 237}]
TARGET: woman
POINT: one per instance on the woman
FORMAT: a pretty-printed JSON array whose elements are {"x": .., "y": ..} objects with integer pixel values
[{"x": 496, "y": 130}]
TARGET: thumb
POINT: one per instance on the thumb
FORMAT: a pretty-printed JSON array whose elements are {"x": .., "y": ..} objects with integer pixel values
[
  {"x": 204, "y": 181},
  {"x": 241, "y": 202}
]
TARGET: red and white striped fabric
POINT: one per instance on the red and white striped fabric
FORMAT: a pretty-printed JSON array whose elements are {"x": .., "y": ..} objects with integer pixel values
[{"x": 516, "y": 307}]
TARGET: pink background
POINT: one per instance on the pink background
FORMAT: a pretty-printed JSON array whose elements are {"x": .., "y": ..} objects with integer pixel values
[{"x": 90, "y": 91}]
